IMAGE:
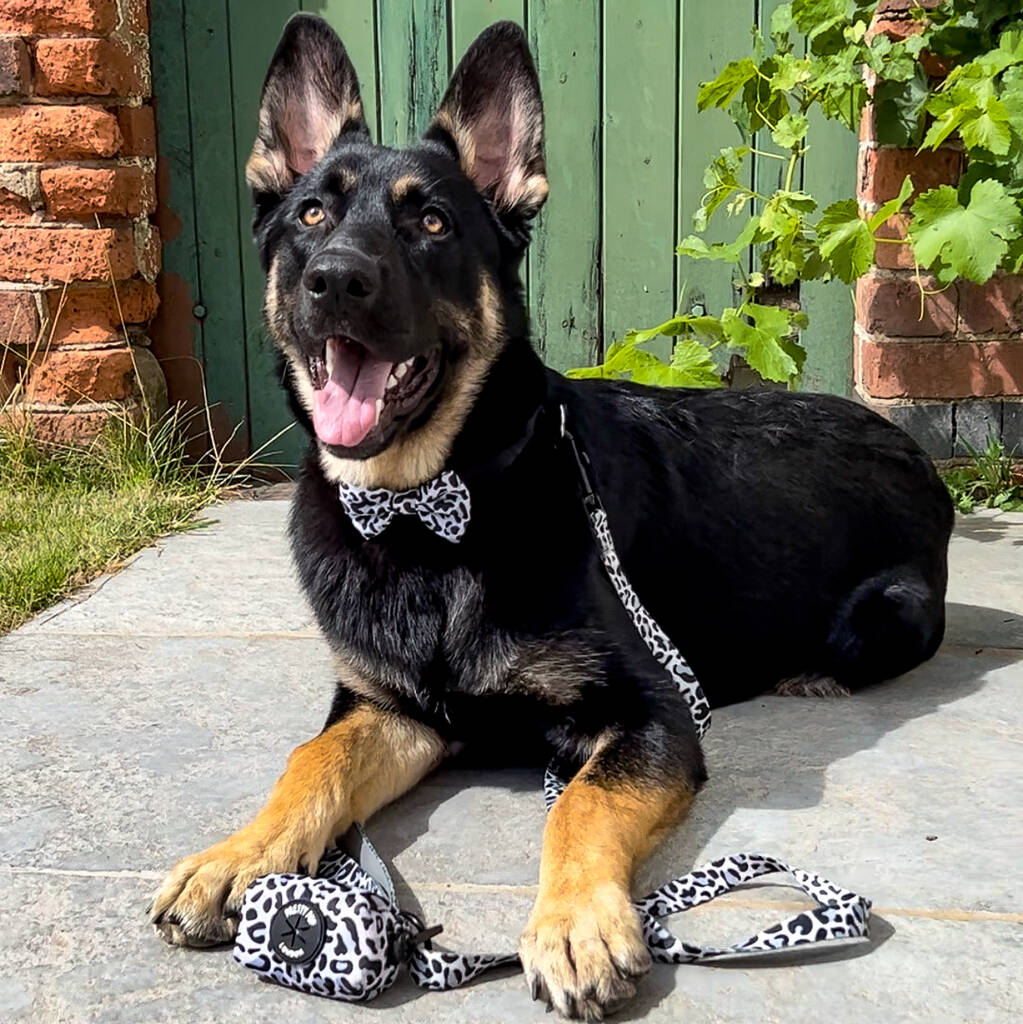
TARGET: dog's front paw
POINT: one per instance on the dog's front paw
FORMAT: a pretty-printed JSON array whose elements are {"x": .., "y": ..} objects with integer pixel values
[
  {"x": 583, "y": 952},
  {"x": 198, "y": 902}
]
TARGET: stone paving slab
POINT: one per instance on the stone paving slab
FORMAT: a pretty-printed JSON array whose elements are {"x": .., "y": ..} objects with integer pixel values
[{"x": 138, "y": 729}]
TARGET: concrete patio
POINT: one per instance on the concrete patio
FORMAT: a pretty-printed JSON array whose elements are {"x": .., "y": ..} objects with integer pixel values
[{"x": 149, "y": 715}]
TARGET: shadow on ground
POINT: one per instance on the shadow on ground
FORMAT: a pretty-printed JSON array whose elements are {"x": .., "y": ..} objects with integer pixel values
[{"x": 783, "y": 772}]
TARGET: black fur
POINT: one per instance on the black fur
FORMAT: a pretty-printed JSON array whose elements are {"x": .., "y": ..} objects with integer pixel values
[{"x": 771, "y": 535}]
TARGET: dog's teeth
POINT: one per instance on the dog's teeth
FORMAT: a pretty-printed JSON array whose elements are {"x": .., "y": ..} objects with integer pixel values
[
  {"x": 392, "y": 381},
  {"x": 399, "y": 371},
  {"x": 379, "y": 408}
]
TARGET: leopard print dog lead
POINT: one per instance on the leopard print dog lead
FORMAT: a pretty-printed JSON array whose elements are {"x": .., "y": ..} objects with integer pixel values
[{"x": 343, "y": 935}]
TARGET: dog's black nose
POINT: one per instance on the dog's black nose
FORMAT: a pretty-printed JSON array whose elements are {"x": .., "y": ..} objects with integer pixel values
[{"x": 339, "y": 277}]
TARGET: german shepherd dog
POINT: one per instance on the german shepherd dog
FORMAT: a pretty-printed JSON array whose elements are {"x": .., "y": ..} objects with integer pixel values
[{"x": 786, "y": 542}]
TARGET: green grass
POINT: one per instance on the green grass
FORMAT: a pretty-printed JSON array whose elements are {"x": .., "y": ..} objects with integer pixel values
[
  {"x": 67, "y": 515},
  {"x": 989, "y": 480}
]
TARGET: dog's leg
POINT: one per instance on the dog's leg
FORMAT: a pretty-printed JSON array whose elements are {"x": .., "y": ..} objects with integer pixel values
[
  {"x": 582, "y": 949},
  {"x": 360, "y": 762}
]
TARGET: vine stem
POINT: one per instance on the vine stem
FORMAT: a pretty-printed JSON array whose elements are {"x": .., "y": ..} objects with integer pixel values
[{"x": 793, "y": 160}]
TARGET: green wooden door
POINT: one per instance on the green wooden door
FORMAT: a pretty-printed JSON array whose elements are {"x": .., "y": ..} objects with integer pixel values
[{"x": 625, "y": 151}]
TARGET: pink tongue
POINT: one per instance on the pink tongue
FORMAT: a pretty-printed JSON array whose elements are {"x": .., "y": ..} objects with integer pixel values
[{"x": 344, "y": 409}]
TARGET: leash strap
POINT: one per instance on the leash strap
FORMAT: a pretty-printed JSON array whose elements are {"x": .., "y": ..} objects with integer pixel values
[
  {"x": 343, "y": 935},
  {"x": 656, "y": 640}
]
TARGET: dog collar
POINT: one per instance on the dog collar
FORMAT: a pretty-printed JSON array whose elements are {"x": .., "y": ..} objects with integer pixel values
[{"x": 443, "y": 504}]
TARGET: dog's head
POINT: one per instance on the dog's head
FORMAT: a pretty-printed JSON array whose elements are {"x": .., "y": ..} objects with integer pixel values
[{"x": 392, "y": 275}]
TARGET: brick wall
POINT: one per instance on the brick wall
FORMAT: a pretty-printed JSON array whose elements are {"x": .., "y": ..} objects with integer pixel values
[
  {"x": 78, "y": 254},
  {"x": 949, "y": 369}
]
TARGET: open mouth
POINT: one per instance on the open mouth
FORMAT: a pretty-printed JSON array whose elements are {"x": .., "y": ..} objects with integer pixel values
[{"x": 353, "y": 392}]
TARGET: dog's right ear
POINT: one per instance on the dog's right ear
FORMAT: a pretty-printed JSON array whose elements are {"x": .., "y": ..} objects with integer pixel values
[{"x": 310, "y": 97}]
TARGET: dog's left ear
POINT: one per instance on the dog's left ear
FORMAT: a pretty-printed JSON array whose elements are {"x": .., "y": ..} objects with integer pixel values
[
  {"x": 310, "y": 98},
  {"x": 491, "y": 118}
]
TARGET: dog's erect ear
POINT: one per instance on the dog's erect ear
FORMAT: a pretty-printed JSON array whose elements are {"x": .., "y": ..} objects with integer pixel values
[
  {"x": 310, "y": 97},
  {"x": 492, "y": 118}
]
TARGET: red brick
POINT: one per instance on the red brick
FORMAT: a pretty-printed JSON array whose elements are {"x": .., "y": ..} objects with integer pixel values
[
  {"x": 138, "y": 129},
  {"x": 53, "y": 17},
  {"x": 992, "y": 308},
  {"x": 73, "y": 427},
  {"x": 15, "y": 73},
  {"x": 89, "y": 67},
  {"x": 91, "y": 315},
  {"x": 950, "y": 369},
  {"x": 888, "y": 255},
  {"x": 69, "y": 376},
  {"x": 13, "y": 206},
  {"x": 57, "y": 133},
  {"x": 136, "y": 15},
  {"x": 19, "y": 319},
  {"x": 54, "y": 255},
  {"x": 883, "y": 170},
  {"x": 892, "y": 306},
  {"x": 81, "y": 192}
]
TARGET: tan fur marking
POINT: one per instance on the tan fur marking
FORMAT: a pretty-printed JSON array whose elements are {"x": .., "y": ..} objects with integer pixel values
[
  {"x": 421, "y": 454},
  {"x": 347, "y": 179},
  {"x": 356, "y": 766},
  {"x": 583, "y": 947},
  {"x": 405, "y": 184},
  {"x": 464, "y": 140}
]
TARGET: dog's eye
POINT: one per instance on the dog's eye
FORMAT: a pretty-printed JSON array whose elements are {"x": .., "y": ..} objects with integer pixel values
[
  {"x": 433, "y": 223},
  {"x": 312, "y": 215}
]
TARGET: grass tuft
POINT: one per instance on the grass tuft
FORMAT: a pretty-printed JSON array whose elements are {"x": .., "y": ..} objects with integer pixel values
[
  {"x": 989, "y": 480},
  {"x": 68, "y": 514}
]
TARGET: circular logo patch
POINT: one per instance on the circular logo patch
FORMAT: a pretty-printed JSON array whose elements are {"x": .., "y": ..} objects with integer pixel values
[{"x": 297, "y": 932}]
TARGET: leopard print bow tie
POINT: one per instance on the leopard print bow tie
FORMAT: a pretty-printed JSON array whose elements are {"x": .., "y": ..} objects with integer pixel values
[{"x": 442, "y": 504}]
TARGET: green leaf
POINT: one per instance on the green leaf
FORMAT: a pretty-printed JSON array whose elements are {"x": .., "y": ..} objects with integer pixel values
[
  {"x": 790, "y": 71},
  {"x": 811, "y": 15},
  {"x": 781, "y": 24},
  {"x": 693, "y": 362},
  {"x": 696, "y": 248},
  {"x": 846, "y": 240},
  {"x": 988, "y": 127},
  {"x": 761, "y": 340},
  {"x": 720, "y": 90},
  {"x": 790, "y": 130},
  {"x": 721, "y": 179},
  {"x": 969, "y": 241},
  {"x": 899, "y": 109},
  {"x": 670, "y": 328},
  {"x": 892, "y": 206}
]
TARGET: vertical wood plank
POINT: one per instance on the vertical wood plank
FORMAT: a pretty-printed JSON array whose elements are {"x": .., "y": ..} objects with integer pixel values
[
  {"x": 638, "y": 165},
  {"x": 355, "y": 22},
  {"x": 413, "y": 48},
  {"x": 711, "y": 35},
  {"x": 255, "y": 28},
  {"x": 564, "y": 259},
  {"x": 829, "y": 174},
  {"x": 470, "y": 17},
  {"x": 217, "y": 208},
  {"x": 170, "y": 84}
]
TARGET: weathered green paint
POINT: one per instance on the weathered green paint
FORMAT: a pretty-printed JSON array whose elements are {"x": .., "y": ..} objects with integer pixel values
[
  {"x": 170, "y": 84},
  {"x": 470, "y": 17},
  {"x": 355, "y": 22},
  {"x": 829, "y": 174},
  {"x": 254, "y": 29},
  {"x": 217, "y": 208},
  {"x": 564, "y": 259},
  {"x": 413, "y": 45},
  {"x": 625, "y": 151},
  {"x": 638, "y": 165},
  {"x": 709, "y": 38}
]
